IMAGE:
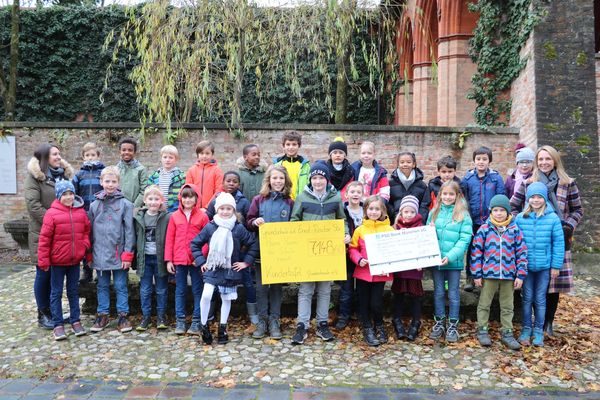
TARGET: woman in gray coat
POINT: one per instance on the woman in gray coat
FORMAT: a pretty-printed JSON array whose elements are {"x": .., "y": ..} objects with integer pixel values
[{"x": 43, "y": 170}]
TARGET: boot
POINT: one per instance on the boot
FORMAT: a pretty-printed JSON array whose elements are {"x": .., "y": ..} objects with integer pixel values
[
  {"x": 252, "y": 313},
  {"x": 369, "y": 335},
  {"x": 222, "y": 337},
  {"x": 45, "y": 319},
  {"x": 549, "y": 329},
  {"x": 525, "y": 337},
  {"x": 194, "y": 327},
  {"x": 484, "y": 337},
  {"x": 206, "y": 335},
  {"x": 261, "y": 329},
  {"x": 399, "y": 328},
  {"x": 380, "y": 333},
  {"x": 275, "y": 329},
  {"x": 509, "y": 340},
  {"x": 538, "y": 337},
  {"x": 413, "y": 330}
]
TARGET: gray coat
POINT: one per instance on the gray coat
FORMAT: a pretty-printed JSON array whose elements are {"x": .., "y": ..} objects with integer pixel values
[
  {"x": 113, "y": 233},
  {"x": 39, "y": 194}
]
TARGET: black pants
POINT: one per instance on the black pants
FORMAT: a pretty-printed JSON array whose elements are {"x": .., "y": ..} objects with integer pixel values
[
  {"x": 551, "y": 307},
  {"x": 414, "y": 302},
  {"x": 370, "y": 302}
]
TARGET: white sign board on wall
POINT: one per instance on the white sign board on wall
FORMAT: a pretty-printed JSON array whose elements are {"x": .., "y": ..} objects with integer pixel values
[{"x": 8, "y": 165}]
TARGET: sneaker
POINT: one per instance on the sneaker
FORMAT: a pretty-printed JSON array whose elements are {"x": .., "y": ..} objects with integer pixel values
[
  {"x": 123, "y": 325},
  {"x": 206, "y": 335},
  {"x": 100, "y": 323},
  {"x": 380, "y": 333},
  {"x": 452, "y": 331},
  {"x": 180, "y": 328},
  {"x": 195, "y": 328},
  {"x": 509, "y": 340},
  {"x": 261, "y": 330},
  {"x": 525, "y": 337},
  {"x": 323, "y": 332},
  {"x": 438, "y": 329},
  {"x": 161, "y": 323},
  {"x": 78, "y": 329},
  {"x": 413, "y": 330},
  {"x": 59, "y": 333},
  {"x": 300, "y": 335},
  {"x": 538, "y": 337},
  {"x": 399, "y": 328},
  {"x": 275, "y": 329},
  {"x": 484, "y": 337},
  {"x": 144, "y": 324},
  {"x": 342, "y": 322},
  {"x": 369, "y": 336},
  {"x": 222, "y": 336}
]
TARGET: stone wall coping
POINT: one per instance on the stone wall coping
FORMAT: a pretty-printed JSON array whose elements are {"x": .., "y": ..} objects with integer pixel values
[{"x": 258, "y": 126}]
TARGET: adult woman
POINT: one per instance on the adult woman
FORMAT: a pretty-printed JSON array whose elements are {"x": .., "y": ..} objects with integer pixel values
[
  {"x": 43, "y": 170},
  {"x": 563, "y": 194}
]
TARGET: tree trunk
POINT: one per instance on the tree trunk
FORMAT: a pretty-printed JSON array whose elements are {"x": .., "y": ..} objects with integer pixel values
[
  {"x": 239, "y": 80},
  {"x": 341, "y": 92},
  {"x": 11, "y": 95}
]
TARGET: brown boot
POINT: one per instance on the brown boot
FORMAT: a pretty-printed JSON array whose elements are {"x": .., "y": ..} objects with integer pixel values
[{"x": 124, "y": 325}]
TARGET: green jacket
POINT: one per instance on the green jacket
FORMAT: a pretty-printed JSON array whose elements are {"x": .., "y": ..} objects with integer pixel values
[
  {"x": 453, "y": 237},
  {"x": 308, "y": 207},
  {"x": 303, "y": 178},
  {"x": 251, "y": 179},
  {"x": 161, "y": 234},
  {"x": 177, "y": 181},
  {"x": 133, "y": 181}
]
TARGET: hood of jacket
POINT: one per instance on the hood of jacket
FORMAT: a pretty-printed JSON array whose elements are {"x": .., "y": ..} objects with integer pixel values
[
  {"x": 101, "y": 195},
  {"x": 241, "y": 164},
  {"x": 33, "y": 167},
  {"x": 194, "y": 188},
  {"x": 211, "y": 163},
  {"x": 329, "y": 192}
]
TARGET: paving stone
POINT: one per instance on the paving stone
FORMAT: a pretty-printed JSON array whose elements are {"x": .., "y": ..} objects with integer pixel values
[
  {"x": 175, "y": 392},
  {"x": 145, "y": 391},
  {"x": 208, "y": 393}
]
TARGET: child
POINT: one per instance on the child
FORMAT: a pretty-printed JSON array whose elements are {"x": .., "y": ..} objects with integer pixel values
[
  {"x": 370, "y": 174},
  {"x": 408, "y": 283},
  {"x": 169, "y": 177},
  {"x": 297, "y": 166},
  {"x": 479, "y": 186},
  {"x": 87, "y": 184},
  {"x": 318, "y": 201},
  {"x": 545, "y": 242},
  {"x": 231, "y": 185},
  {"x": 205, "y": 174},
  {"x": 113, "y": 241},
  {"x": 223, "y": 265},
  {"x": 370, "y": 287},
  {"x": 251, "y": 170},
  {"x": 274, "y": 204},
  {"x": 454, "y": 230},
  {"x": 151, "y": 229},
  {"x": 340, "y": 170},
  {"x": 184, "y": 225},
  {"x": 407, "y": 179},
  {"x": 446, "y": 168},
  {"x": 64, "y": 241},
  {"x": 133, "y": 175},
  {"x": 353, "y": 209},
  {"x": 524, "y": 170},
  {"x": 498, "y": 262}
]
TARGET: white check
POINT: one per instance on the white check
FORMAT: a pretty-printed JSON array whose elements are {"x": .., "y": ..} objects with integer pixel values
[{"x": 402, "y": 250}]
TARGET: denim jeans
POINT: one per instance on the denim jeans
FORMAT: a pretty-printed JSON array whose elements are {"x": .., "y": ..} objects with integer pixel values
[
  {"x": 534, "y": 294},
  {"x": 268, "y": 295},
  {"x": 347, "y": 291},
  {"x": 150, "y": 283},
  {"x": 120, "y": 277},
  {"x": 181, "y": 274},
  {"x": 439, "y": 293},
  {"x": 305, "y": 294},
  {"x": 41, "y": 288},
  {"x": 57, "y": 284},
  {"x": 248, "y": 282}
]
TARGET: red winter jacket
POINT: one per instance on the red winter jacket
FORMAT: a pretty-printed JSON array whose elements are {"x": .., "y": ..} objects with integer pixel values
[
  {"x": 65, "y": 235},
  {"x": 209, "y": 180},
  {"x": 181, "y": 232}
]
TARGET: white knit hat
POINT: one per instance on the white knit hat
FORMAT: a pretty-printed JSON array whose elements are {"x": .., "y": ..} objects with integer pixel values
[{"x": 224, "y": 199}]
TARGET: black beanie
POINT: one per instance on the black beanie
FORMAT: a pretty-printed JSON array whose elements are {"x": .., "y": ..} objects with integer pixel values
[{"x": 338, "y": 144}]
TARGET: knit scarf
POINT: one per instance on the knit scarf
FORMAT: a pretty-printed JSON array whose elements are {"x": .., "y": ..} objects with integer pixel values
[
  {"x": 551, "y": 182},
  {"x": 406, "y": 182},
  {"x": 519, "y": 179},
  {"x": 413, "y": 223},
  {"x": 220, "y": 247},
  {"x": 341, "y": 177},
  {"x": 501, "y": 224},
  {"x": 55, "y": 174}
]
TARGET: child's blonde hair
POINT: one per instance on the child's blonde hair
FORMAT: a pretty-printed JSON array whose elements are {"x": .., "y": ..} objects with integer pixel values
[
  {"x": 376, "y": 199},
  {"x": 111, "y": 170},
  {"x": 528, "y": 210},
  {"x": 355, "y": 183},
  {"x": 155, "y": 189},
  {"x": 563, "y": 177},
  {"x": 170, "y": 149},
  {"x": 367, "y": 143},
  {"x": 266, "y": 183},
  {"x": 88, "y": 147},
  {"x": 460, "y": 206}
]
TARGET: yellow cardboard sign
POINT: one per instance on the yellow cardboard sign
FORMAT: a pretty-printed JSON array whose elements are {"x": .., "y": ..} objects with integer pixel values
[{"x": 306, "y": 251}]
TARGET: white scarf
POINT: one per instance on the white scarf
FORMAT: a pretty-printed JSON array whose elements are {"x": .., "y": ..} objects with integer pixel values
[{"x": 220, "y": 247}]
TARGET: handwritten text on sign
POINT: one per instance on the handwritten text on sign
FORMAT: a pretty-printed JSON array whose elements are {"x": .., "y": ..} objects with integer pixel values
[
  {"x": 307, "y": 251},
  {"x": 402, "y": 250}
]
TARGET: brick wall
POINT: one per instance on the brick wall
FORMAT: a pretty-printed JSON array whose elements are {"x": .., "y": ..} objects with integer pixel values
[{"x": 429, "y": 144}]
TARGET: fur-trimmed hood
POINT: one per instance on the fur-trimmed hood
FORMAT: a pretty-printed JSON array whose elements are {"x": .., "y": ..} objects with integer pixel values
[
  {"x": 33, "y": 167},
  {"x": 241, "y": 164}
]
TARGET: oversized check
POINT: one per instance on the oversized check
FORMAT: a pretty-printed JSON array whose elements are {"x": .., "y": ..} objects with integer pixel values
[
  {"x": 306, "y": 251},
  {"x": 402, "y": 250}
]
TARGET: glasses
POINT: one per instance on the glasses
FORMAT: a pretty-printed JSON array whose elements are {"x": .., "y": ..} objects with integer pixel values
[{"x": 526, "y": 162}]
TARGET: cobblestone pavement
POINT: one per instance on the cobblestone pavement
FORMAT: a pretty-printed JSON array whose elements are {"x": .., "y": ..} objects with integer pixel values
[{"x": 88, "y": 364}]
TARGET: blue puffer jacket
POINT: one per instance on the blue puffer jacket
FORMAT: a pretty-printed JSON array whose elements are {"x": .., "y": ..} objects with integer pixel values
[
  {"x": 544, "y": 238},
  {"x": 479, "y": 192},
  {"x": 454, "y": 237}
]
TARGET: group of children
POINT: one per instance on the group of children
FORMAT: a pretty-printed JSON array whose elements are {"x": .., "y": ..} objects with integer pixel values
[{"x": 204, "y": 225}]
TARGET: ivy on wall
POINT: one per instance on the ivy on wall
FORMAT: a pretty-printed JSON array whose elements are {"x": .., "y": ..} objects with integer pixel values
[{"x": 502, "y": 30}]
